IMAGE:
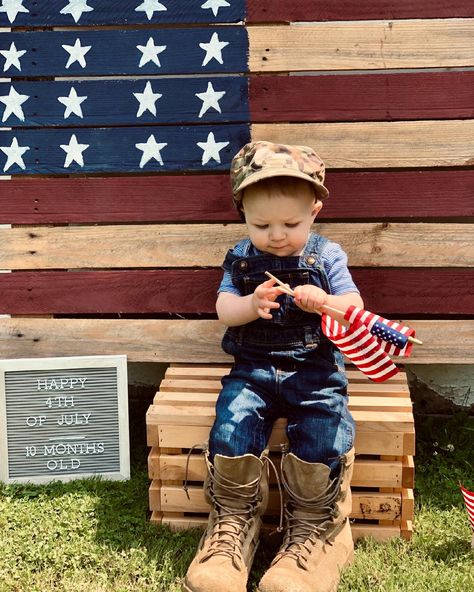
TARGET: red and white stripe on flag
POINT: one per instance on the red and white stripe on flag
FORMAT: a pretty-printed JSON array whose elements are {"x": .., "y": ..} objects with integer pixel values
[
  {"x": 392, "y": 336},
  {"x": 360, "y": 347},
  {"x": 469, "y": 501}
]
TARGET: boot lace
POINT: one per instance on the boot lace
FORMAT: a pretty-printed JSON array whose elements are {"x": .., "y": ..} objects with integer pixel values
[
  {"x": 303, "y": 533},
  {"x": 235, "y": 506}
]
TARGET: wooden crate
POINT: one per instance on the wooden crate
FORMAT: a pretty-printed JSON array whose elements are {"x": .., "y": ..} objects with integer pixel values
[{"x": 183, "y": 412}]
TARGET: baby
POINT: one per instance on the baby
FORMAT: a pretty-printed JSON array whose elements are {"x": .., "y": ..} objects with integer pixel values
[{"x": 284, "y": 367}]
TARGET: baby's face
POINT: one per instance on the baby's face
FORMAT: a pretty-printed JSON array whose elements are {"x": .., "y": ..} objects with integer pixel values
[{"x": 279, "y": 221}]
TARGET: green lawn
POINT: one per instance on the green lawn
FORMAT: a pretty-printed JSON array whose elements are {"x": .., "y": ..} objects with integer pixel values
[{"x": 95, "y": 536}]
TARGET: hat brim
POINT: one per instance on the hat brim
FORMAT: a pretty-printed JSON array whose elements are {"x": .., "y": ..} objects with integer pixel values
[{"x": 267, "y": 173}]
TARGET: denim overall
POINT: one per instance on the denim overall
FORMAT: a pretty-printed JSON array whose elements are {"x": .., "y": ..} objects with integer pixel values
[{"x": 284, "y": 367}]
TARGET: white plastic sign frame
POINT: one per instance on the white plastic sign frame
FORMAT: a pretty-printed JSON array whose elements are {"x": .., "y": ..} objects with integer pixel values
[{"x": 52, "y": 402}]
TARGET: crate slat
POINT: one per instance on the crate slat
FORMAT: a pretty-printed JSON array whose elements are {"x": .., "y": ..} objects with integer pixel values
[
  {"x": 367, "y": 472},
  {"x": 365, "y": 505}
]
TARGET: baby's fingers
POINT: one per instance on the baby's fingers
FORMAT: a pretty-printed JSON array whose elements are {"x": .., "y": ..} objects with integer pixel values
[
  {"x": 265, "y": 307},
  {"x": 269, "y": 304}
]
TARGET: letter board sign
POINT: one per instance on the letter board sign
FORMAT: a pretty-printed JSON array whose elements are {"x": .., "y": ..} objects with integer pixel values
[{"x": 63, "y": 419}]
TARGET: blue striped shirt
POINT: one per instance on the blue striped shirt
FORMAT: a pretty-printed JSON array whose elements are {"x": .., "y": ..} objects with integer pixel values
[{"x": 332, "y": 256}]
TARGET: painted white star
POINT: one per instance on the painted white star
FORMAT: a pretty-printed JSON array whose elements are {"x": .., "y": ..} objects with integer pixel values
[
  {"x": 75, "y": 8},
  {"x": 213, "y": 49},
  {"x": 147, "y": 100},
  {"x": 72, "y": 103},
  {"x": 13, "y": 102},
  {"x": 12, "y": 57},
  {"x": 12, "y": 8},
  {"x": 211, "y": 149},
  {"x": 74, "y": 151},
  {"x": 150, "y": 7},
  {"x": 151, "y": 149},
  {"x": 14, "y": 154},
  {"x": 76, "y": 53},
  {"x": 215, "y": 5},
  {"x": 210, "y": 98},
  {"x": 150, "y": 52}
]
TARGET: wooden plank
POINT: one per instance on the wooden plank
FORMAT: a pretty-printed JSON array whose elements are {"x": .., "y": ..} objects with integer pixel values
[
  {"x": 423, "y": 291},
  {"x": 122, "y": 102},
  {"x": 367, "y": 473},
  {"x": 380, "y": 144},
  {"x": 396, "y": 443},
  {"x": 366, "y": 421},
  {"x": 173, "y": 245},
  {"x": 188, "y": 11},
  {"x": 359, "y": 530},
  {"x": 194, "y": 398},
  {"x": 379, "y": 97},
  {"x": 341, "y": 145},
  {"x": 116, "y": 199},
  {"x": 197, "y": 385},
  {"x": 137, "y": 291},
  {"x": 321, "y": 10},
  {"x": 408, "y": 479},
  {"x": 190, "y": 341},
  {"x": 358, "y": 97},
  {"x": 362, "y": 45},
  {"x": 117, "y": 52},
  {"x": 406, "y": 529},
  {"x": 365, "y": 505},
  {"x": 321, "y": 46},
  {"x": 127, "y": 149},
  {"x": 217, "y": 371},
  {"x": 124, "y": 12},
  {"x": 392, "y": 292},
  {"x": 408, "y": 505},
  {"x": 205, "y": 198}
]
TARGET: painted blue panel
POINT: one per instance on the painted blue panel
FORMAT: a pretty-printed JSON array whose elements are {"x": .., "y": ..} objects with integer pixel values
[
  {"x": 126, "y": 149},
  {"x": 125, "y": 52},
  {"x": 28, "y": 13},
  {"x": 125, "y": 102}
]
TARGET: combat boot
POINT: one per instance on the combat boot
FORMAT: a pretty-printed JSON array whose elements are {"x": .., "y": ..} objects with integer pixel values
[
  {"x": 237, "y": 489},
  {"x": 318, "y": 542}
]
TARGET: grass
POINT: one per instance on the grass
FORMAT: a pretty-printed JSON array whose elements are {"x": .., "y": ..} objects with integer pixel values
[{"x": 95, "y": 536}]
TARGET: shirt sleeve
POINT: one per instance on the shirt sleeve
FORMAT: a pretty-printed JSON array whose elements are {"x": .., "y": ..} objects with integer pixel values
[
  {"x": 335, "y": 264},
  {"x": 226, "y": 284}
]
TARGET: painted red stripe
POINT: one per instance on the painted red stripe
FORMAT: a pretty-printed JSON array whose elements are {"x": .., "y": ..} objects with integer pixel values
[
  {"x": 416, "y": 291},
  {"x": 362, "y": 97},
  {"x": 116, "y": 199},
  {"x": 354, "y": 195},
  {"x": 322, "y": 10},
  {"x": 390, "y": 292}
]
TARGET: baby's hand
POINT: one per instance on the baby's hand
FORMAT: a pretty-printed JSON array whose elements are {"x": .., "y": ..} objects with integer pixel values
[
  {"x": 263, "y": 299},
  {"x": 310, "y": 298}
]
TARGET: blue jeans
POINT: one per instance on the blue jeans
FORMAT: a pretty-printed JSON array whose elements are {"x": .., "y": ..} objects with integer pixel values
[{"x": 313, "y": 396}]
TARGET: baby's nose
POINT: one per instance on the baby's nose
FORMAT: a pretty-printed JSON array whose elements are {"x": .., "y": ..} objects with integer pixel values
[{"x": 277, "y": 233}]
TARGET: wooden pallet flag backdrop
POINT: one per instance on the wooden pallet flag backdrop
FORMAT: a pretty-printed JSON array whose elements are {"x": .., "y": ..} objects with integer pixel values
[{"x": 119, "y": 123}]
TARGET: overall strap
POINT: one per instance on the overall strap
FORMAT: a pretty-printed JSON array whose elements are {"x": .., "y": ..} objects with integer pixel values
[
  {"x": 314, "y": 248},
  {"x": 243, "y": 247}
]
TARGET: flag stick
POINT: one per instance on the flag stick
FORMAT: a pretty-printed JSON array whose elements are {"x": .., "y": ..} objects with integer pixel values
[{"x": 287, "y": 290}]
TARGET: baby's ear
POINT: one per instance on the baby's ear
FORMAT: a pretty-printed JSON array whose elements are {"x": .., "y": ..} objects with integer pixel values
[{"x": 318, "y": 204}]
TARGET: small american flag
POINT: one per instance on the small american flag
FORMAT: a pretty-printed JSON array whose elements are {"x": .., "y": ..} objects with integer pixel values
[
  {"x": 392, "y": 336},
  {"x": 360, "y": 347},
  {"x": 469, "y": 501}
]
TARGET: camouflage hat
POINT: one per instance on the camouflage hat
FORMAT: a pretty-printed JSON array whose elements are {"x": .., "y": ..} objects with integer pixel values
[{"x": 261, "y": 160}]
